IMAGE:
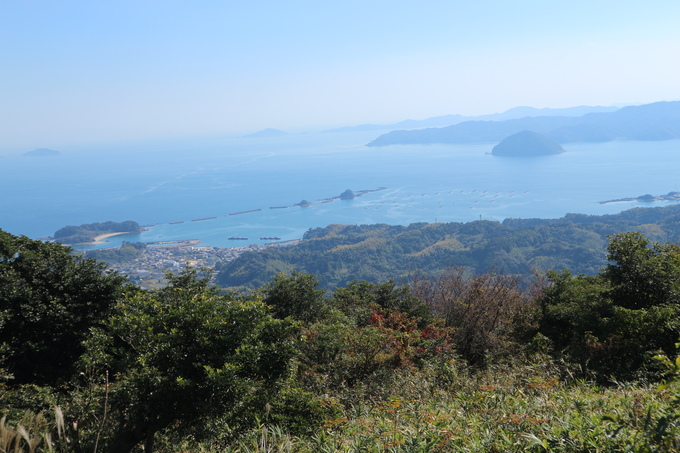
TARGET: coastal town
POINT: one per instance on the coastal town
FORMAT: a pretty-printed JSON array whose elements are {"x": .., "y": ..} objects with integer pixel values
[{"x": 149, "y": 269}]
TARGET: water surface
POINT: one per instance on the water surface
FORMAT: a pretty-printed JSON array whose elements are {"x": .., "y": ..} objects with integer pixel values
[{"x": 156, "y": 184}]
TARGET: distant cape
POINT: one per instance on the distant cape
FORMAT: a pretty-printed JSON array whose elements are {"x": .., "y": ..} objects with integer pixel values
[{"x": 657, "y": 121}]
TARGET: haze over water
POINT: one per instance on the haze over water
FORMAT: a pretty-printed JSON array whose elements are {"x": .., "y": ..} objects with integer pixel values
[{"x": 156, "y": 184}]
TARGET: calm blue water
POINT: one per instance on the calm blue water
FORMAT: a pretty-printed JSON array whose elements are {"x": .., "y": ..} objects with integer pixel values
[{"x": 159, "y": 183}]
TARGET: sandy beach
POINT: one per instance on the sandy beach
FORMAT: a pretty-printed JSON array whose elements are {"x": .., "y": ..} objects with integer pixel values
[{"x": 101, "y": 238}]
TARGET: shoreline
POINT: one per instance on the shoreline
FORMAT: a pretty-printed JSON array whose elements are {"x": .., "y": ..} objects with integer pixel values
[
  {"x": 670, "y": 196},
  {"x": 100, "y": 239}
]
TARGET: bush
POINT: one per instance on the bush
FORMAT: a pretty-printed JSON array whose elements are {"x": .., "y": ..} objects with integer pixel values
[
  {"x": 186, "y": 354},
  {"x": 49, "y": 299},
  {"x": 483, "y": 311},
  {"x": 614, "y": 323}
]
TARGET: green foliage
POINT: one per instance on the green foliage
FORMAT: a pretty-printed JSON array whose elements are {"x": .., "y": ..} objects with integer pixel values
[
  {"x": 655, "y": 428},
  {"x": 295, "y": 295},
  {"x": 372, "y": 367},
  {"x": 185, "y": 354},
  {"x": 514, "y": 408},
  {"x": 613, "y": 323},
  {"x": 48, "y": 301},
  {"x": 642, "y": 274},
  {"x": 359, "y": 299},
  {"x": 300, "y": 411}
]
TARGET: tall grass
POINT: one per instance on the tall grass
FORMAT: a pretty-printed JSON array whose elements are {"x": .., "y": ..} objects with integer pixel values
[
  {"x": 32, "y": 434},
  {"x": 503, "y": 410}
]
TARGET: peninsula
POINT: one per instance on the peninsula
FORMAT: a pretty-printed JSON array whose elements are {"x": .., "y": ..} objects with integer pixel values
[
  {"x": 93, "y": 232},
  {"x": 670, "y": 196}
]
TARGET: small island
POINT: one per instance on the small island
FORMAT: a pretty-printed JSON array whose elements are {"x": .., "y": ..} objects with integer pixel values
[
  {"x": 269, "y": 132},
  {"x": 94, "y": 232},
  {"x": 303, "y": 204},
  {"x": 42, "y": 152},
  {"x": 347, "y": 195},
  {"x": 527, "y": 143}
]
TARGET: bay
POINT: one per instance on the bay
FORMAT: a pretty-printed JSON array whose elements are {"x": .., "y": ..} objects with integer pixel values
[{"x": 168, "y": 186}]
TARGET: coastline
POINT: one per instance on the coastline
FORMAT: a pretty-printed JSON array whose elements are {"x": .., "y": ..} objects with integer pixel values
[
  {"x": 670, "y": 196},
  {"x": 100, "y": 239}
]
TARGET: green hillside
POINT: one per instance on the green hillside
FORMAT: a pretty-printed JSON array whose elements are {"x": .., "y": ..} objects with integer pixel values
[{"x": 338, "y": 254}]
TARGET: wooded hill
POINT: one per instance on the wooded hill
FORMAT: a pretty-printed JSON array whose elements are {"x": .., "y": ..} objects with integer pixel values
[
  {"x": 338, "y": 254},
  {"x": 88, "y": 232}
]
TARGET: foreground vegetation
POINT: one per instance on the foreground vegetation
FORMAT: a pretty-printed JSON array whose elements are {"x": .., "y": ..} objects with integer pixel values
[{"x": 456, "y": 362}]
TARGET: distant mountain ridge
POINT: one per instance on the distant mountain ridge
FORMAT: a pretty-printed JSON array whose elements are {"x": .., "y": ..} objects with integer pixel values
[
  {"x": 657, "y": 121},
  {"x": 449, "y": 120}
]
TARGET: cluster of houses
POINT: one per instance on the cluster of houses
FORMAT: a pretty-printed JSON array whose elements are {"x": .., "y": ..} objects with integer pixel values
[{"x": 149, "y": 269}]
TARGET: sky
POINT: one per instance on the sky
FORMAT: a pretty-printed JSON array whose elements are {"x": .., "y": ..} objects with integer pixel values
[{"x": 79, "y": 72}]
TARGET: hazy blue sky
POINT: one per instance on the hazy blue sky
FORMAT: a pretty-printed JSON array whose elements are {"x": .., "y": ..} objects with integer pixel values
[{"x": 75, "y": 72}]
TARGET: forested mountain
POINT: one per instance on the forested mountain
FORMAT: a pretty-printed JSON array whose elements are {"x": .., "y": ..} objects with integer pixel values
[
  {"x": 657, "y": 121},
  {"x": 338, "y": 254}
]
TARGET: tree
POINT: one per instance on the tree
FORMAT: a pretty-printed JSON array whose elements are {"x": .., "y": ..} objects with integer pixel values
[
  {"x": 642, "y": 274},
  {"x": 295, "y": 295},
  {"x": 184, "y": 355},
  {"x": 481, "y": 309},
  {"x": 360, "y": 298},
  {"x": 48, "y": 301}
]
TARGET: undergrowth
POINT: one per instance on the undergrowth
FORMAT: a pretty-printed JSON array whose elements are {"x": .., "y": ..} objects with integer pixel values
[{"x": 506, "y": 409}]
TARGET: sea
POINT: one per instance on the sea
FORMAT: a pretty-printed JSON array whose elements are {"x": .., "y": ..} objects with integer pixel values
[{"x": 214, "y": 189}]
